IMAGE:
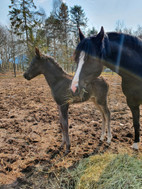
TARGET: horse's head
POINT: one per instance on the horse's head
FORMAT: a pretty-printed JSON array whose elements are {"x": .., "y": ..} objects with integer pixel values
[
  {"x": 88, "y": 55},
  {"x": 35, "y": 66}
]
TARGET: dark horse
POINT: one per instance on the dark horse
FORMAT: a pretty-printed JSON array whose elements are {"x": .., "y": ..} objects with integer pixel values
[
  {"x": 59, "y": 83},
  {"x": 122, "y": 53}
]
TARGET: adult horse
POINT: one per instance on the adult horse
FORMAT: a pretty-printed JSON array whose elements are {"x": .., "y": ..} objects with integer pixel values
[{"x": 122, "y": 53}]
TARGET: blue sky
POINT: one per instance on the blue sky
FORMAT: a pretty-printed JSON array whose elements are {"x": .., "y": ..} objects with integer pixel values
[{"x": 99, "y": 12}]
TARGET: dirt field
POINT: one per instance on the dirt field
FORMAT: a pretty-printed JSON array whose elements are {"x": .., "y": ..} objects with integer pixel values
[{"x": 30, "y": 131}]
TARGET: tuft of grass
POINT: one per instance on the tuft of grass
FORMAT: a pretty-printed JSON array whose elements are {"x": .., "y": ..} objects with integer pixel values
[
  {"x": 110, "y": 171},
  {"x": 105, "y": 171}
]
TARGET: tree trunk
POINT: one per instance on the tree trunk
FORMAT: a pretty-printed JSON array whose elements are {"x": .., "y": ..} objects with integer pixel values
[{"x": 14, "y": 67}]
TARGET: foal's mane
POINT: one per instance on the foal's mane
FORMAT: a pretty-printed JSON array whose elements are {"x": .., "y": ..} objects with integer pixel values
[{"x": 53, "y": 61}]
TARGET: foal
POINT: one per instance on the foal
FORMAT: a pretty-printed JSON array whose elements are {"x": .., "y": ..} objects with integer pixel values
[{"x": 60, "y": 82}]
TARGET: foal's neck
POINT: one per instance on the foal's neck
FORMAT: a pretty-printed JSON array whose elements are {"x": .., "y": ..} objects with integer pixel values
[{"x": 53, "y": 74}]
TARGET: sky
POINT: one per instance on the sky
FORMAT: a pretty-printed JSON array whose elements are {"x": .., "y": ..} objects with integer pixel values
[{"x": 104, "y": 13}]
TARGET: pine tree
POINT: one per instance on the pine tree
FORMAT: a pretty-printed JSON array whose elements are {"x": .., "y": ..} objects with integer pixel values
[
  {"x": 63, "y": 17},
  {"x": 92, "y": 31},
  {"x": 24, "y": 18},
  {"x": 52, "y": 32},
  {"x": 64, "y": 32},
  {"x": 78, "y": 20},
  {"x": 78, "y": 16}
]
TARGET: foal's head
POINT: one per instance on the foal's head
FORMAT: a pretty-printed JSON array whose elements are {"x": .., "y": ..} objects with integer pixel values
[
  {"x": 88, "y": 56},
  {"x": 35, "y": 67}
]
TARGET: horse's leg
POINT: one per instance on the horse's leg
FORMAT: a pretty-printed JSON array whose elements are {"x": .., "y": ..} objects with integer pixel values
[
  {"x": 63, "y": 113},
  {"x": 136, "y": 117}
]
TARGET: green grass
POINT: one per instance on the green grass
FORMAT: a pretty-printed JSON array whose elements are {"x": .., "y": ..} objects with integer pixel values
[
  {"x": 112, "y": 172},
  {"x": 106, "y": 171}
]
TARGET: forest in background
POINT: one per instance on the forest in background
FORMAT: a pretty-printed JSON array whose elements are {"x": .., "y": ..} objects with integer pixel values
[{"x": 55, "y": 35}]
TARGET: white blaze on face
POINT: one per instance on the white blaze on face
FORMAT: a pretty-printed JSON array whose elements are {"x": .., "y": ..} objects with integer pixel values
[{"x": 75, "y": 80}]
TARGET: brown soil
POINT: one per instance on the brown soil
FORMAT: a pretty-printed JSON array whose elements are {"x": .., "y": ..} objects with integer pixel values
[{"x": 30, "y": 132}]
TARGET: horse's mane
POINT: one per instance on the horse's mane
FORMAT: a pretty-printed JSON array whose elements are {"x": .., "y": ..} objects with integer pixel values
[
  {"x": 86, "y": 46},
  {"x": 132, "y": 42}
]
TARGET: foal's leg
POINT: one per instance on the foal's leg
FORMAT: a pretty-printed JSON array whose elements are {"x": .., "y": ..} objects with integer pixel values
[
  {"x": 103, "y": 123},
  {"x": 106, "y": 114},
  {"x": 136, "y": 117},
  {"x": 103, "y": 119},
  {"x": 63, "y": 113}
]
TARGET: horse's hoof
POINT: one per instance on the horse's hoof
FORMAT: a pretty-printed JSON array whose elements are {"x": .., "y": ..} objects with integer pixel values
[{"x": 135, "y": 146}]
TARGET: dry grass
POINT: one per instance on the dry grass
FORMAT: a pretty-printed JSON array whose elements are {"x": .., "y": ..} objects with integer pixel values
[
  {"x": 106, "y": 171},
  {"x": 112, "y": 171}
]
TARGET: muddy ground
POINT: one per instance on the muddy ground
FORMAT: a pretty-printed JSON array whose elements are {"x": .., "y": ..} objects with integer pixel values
[{"x": 30, "y": 132}]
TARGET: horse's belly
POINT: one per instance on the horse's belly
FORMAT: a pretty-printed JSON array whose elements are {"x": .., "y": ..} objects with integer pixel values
[{"x": 132, "y": 90}]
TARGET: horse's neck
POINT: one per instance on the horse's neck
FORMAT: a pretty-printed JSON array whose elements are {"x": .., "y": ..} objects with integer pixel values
[{"x": 113, "y": 60}]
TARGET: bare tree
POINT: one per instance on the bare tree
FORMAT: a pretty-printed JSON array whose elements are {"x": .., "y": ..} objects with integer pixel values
[
  {"x": 4, "y": 48},
  {"x": 138, "y": 32},
  {"x": 2, "y": 35},
  {"x": 119, "y": 26}
]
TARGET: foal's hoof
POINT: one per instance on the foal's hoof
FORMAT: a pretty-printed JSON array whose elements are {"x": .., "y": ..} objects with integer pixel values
[
  {"x": 102, "y": 138},
  {"x": 67, "y": 152},
  {"x": 135, "y": 146},
  {"x": 61, "y": 148},
  {"x": 109, "y": 140}
]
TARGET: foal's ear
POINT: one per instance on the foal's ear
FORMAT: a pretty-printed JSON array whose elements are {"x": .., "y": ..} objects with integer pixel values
[
  {"x": 81, "y": 36},
  {"x": 37, "y": 52},
  {"x": 101, "y": 34}
]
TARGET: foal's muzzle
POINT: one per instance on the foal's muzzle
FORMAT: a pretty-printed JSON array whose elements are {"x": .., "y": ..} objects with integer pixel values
[{"x": 26, "y": 76}]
